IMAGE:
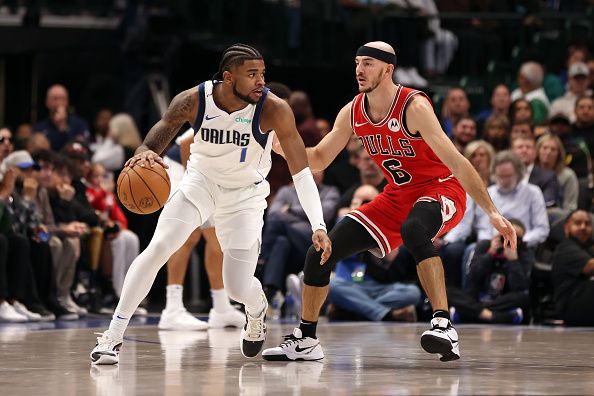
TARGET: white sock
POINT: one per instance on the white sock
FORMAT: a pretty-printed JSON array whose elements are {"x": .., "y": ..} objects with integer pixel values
[
  {"x": 220, "y": 300},
  {"x": 174, "y": 297},
  {"x": 117, "y": 326}
]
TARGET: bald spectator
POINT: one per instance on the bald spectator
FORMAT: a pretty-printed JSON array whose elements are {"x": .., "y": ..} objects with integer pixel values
[
  {"x": 61, "y": 126},
  {"x": 455, "y": 106},
  {"x": 464, "y": 132},
  {"x": 577, "y": 87},
  {"x": 573, "y": 271},
  {"x": 530, "y": 78}
]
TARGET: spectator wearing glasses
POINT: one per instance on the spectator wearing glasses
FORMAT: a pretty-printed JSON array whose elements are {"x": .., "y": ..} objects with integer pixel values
[{"x": 6, "y": 146}]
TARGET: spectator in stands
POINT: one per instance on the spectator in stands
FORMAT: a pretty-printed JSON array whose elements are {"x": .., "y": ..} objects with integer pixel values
[
  {"x": 584, "y": 121},
  {"x": 37, "y": 141},
  {"x": 124, "y": 243},
  {"x": 496, "y": 132},
  {"x": 304, "y": 118},
  {"x": 343, "y": 172},
  {"x": 513, "y": 198},
  {"x": 551, "y": 156},
  {"x": 106, "y": 151},
  {"x": 65, "y": 240},
  {"x": 500, "y": 103},
  {"x": 463, "y": 133},
  {"x": 521, "y": 128},
  {"x": 525, "y": 148},
  {"x": 455, "y": 106},
  {"x": 369, "y": 173},
  {"x": 279, "y": 171},
  {"x": 590, "y": 64},
  {"x": 530, "y": 78},
  {"x": 497, "y": 286},
  {"x": 28, "y": 236},
  {"x": 287, "y": 234},
  {"x": 6, "y": 146},
  {"x": 521, "y": 111},
  {"x": 61, "y": 126},
  {"x": 577, "y": 86},
  {"x": 124, "y": 132},
  {"x": 23, "y": 132},
  {"x": 362, "y": 286},
  {"x": 439, "y": 48},
  {"x": 481, "y": 154},
  {"x": 578, "y": 154},
  {"x": 573, "y": 269},
  {"x": 323, "y": 126}
]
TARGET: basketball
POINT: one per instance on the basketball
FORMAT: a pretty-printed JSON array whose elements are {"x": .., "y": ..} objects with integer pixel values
[{"x": 143, "y": 189}]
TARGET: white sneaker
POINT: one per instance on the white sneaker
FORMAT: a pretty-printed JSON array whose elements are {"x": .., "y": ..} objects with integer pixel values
[
  {"x": 253, "y": 333},
  {"x": 107, "y": 350},
  {"x": 441, "y": 339},
  {"x": 180, "y": 319},
  {"x": 233, "y": 318},
  {"x": 295, "y": 347},
  {"x": 69, "y": 303},
  {"x": 418, "y": 80},
  {"x": 9, "y": 314},
  {"x": 31, "y": 316}
]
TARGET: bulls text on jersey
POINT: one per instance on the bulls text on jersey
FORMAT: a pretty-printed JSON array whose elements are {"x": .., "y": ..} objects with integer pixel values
[{"x": 397, "y": 147}]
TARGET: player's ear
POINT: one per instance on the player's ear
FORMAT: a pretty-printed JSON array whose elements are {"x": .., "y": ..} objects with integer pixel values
[{"x": 227, "y": 76}]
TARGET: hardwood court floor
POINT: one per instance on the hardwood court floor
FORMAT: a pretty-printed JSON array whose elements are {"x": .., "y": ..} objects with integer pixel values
[{"x": 361, "y": 359}]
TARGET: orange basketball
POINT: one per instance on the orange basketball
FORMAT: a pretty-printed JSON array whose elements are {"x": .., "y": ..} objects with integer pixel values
[{"x": 143, "y": 189}]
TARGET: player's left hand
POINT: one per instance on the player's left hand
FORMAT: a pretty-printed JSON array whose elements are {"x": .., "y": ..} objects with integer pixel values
[
  {"x": 506, "y": 229},
  {"x": 321, "y": 241}
]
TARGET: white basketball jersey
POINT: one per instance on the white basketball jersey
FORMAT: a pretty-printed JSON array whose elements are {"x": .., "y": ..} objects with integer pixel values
[{"x": 229, "y": 148}]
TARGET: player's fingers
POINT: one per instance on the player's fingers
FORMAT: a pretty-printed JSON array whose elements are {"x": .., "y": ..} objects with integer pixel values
[
  {"x": 161, "y": 162},
  {"x": 316, "y": 243},
  {"x": 151, "y": 160}
]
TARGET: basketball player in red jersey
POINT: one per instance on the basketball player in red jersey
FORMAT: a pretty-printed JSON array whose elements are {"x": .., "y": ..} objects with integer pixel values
[{"x": 425, "y": 197}]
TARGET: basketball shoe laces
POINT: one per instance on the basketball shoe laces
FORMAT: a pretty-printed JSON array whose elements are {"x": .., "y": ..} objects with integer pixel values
[
  {"x": 254, "y": 327},
  {"x": 290, "y": 339},
  {"x": 104, "y": 340}
]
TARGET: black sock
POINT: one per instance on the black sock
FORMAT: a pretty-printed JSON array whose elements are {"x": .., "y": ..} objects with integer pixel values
[
  {"x": 441, "y": 314},
  {"x": 308, "y": 329}
]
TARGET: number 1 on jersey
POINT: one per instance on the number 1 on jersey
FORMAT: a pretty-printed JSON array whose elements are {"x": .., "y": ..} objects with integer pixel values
[{"x": 243, "y": 154}]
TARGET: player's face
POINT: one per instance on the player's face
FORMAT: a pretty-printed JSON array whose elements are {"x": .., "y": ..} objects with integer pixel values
[
  {"x": 248, "y": 80},
  {"x": 579, "y": 226},
  {"x": 369, "y": 73}
]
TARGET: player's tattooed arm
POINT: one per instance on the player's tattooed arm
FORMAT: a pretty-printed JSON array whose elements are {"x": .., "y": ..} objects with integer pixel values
[{"x": 181, "y": 110}]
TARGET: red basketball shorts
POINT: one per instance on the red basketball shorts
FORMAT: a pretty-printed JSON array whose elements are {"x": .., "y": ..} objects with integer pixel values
[{"x": 383, "y": 216}]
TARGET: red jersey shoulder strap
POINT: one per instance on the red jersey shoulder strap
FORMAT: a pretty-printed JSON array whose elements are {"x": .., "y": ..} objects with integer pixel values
[
  {"x": 354, "y": 106},
  {"x": 400, "y": 108}
]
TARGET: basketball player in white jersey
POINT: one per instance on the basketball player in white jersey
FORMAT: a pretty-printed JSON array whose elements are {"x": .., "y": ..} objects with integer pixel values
[
  {"x": 175, "y": 316},
  {"x": 230, "y": 157}
]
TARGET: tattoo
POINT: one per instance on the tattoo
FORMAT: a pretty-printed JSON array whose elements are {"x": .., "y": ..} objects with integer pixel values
[{"x": 180, "y": 111}]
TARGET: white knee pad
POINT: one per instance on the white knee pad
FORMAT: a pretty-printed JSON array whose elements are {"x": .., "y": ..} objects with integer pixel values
[{"x": 238, "y": 275}]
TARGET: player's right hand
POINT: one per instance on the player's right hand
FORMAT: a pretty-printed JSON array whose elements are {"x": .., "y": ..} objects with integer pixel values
[
  {"x": 147, "y": 156},
  {"x": 321, "y": 241}
]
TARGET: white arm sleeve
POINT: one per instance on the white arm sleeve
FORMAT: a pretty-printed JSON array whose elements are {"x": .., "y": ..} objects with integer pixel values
[{"x": 309, "y": 197}]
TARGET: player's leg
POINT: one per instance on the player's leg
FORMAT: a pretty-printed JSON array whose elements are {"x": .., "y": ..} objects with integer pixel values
[
  {"x": 177, "y": 221},
  {"x": 222, "y": 313},
  {"x": 348, "y": 237},
  {"x": 422, "y": 224},
  {"x": 175, "y": 316}
]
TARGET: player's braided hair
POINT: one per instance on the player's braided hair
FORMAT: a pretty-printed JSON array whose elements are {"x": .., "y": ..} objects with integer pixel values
[{"x": 235, "y": 56}]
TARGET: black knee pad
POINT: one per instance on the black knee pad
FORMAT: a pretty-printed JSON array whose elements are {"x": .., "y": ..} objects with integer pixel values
[
  {"x": 417, "y": 240},
  {"x": 315, "y": 274}
]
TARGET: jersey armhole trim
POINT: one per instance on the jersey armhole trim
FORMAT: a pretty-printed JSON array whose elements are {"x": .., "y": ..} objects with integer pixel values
[
  {"x": 405, "y": 129},
  {"x": 261, "y": 137},
  {"x": 201, "y": 107}
]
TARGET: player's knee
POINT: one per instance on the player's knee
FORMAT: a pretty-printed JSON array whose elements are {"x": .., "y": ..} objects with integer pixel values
[
  {"x": 415, "y": 237},
  {"x": 315, "y": 274}
]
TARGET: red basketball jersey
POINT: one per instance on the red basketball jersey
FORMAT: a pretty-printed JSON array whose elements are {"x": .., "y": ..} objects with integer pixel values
[{"x": 403, "y": 155}]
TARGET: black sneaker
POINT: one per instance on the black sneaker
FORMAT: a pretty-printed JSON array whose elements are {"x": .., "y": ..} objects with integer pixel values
[
  {"x": 46, "y": 314},
  {"x": 295, "y": 347},
  {"x": 253, "y": 333}
]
